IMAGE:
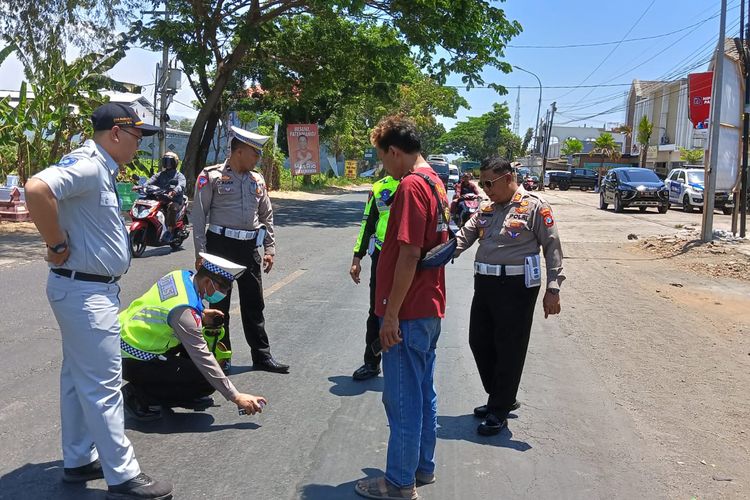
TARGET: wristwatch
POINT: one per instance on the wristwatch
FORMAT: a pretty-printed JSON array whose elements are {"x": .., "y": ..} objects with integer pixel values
[
  {"x": 554, "y": 291},
  {"x": 59, "y": 248}
]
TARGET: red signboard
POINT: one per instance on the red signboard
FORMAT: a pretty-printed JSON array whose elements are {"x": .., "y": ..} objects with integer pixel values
[
  {"x": 304, "y": 151},
  {"x": 699, "y": 91}
]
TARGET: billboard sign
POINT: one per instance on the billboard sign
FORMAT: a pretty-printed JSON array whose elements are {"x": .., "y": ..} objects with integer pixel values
[
  {"x": 304, "y": 148},
  {"x": 350, "y": 169},
  {"x": 699, "y": 95}
]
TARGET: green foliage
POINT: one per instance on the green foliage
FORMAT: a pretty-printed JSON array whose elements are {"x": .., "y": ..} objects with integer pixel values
[
  {"x": 54, "y": 106},
  {"x": 605, "y": 145},
  {"x": 308, "y": 60},
  {"x": 527, "y": 140},
  {"x": 185, "y": 124},
  {"x": 691, "y": 156},
  {"x": 645, "y": 129},
  {"x": 479, "y": 137},
  {"x": 571, "y": 146},
  {"x": 643, "y": 137}
]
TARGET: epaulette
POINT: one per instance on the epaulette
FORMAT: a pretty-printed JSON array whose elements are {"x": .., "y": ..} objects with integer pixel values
[
  {"x": 541, "y": 200},
  {"x": 213, "y": 167}
]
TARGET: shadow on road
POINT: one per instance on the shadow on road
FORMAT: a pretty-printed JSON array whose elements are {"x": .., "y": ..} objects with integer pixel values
[
  {"x": 44, "y": 481},
  {"x": 344, "y": 491},
  {"x": 345, "y": 386},
  {"x": 188, "y": 423},
  {"x": 464, "y": 428},
  {"x": 325, "y": 213}
]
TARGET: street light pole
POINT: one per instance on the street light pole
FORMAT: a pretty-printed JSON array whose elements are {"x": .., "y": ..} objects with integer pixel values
[{"x": 538, "y": 107}]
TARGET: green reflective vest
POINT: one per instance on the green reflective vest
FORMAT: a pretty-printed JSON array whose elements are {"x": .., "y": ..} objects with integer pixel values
[
  {"x": 380, "y": 202},
  {"x": 145, "y": 331}
]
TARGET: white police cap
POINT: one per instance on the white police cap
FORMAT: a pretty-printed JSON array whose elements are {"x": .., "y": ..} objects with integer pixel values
[
  {"x": 254, "y": 140},
  {"x": 221, "y": 266}
]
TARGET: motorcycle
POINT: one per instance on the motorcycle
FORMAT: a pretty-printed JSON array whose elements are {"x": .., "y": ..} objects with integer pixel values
[
  {"x": 466, "y": 206},
  {"x": 148, "y": 226},
  {"x": 530, "y": 182}
]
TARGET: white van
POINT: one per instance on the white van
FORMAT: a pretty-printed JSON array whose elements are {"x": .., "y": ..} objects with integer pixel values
[{"x": 453, "y": 175}]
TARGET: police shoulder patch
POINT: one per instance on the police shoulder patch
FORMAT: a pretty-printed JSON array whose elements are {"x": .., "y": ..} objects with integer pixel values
[
  {"x": 67, "y": 161},
  {"x": 167, "y": 287}
]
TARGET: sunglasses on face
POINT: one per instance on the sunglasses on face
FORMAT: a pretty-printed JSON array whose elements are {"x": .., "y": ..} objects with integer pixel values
[{"x": 488, "y": 184}]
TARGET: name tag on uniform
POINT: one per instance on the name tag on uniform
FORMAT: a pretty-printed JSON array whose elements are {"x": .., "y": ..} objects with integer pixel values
[{"x": 107, "y": 199}]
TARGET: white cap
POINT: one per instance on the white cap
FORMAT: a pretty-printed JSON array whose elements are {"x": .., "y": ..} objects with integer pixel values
[
  {"x": 254, "y": 140},
  {"x": 221, "y": 266}
]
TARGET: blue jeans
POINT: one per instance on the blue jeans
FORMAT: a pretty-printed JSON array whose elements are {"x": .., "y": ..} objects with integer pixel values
[{"x": 410, "y": 401}]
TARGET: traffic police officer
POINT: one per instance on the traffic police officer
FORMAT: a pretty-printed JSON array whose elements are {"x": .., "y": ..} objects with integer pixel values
[
  {"x": 370, "y": 240},
  {"x": 166, "y": 358},
  {"x": 232, "y": 218},
  {"x": 507, "y": 278},
  {"x": 75, "y": 206}
]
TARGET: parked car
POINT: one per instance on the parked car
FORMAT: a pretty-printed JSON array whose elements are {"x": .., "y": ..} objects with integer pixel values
[
  {"x": 686, "y": 188},
  {"x": 453, "y": 176},
  {"x": 626, "y": 187},
  {"x": 442, "y": 169},
  {"x": 582, "y": 178}
]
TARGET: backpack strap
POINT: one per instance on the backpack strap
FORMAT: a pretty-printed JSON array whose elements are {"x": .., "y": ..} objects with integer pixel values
[{"x": 442, "y": 209}]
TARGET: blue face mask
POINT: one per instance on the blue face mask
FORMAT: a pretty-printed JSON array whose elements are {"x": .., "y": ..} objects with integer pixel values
[{"x": 215, "y": 297}]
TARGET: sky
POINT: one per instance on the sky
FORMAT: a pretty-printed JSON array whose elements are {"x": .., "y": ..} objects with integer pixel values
[{"x": 691, "y": 28}]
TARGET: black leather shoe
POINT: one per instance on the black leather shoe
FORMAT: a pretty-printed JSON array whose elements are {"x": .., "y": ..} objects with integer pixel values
[
  {"x": 84, "y": 473},
  {"x": 140, "y": 487},
  {"x": 198, "y": 404},
  {"x": 136, "y": 409},
  {"x": 270, "y": 365},
  {"x": 481, "y": 411},
  {"x": 492, "y": 425},
  {"x": 366, "y": 371}
]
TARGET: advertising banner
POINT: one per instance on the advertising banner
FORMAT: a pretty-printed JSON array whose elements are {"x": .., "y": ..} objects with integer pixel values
[
  {"x": 699, "y": 95},
  {"x": 304, "y": 149},
  {"x": 350, "y": 169}
]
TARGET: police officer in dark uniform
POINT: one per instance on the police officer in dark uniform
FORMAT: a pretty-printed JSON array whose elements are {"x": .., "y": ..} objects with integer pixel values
[
  {"x": 507, "y": 279},
  {"x": 232, "y": 218}
]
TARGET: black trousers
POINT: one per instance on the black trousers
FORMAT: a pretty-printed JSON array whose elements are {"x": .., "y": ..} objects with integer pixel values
[
  {"x": 501, "y": 315},
  {"x": 173, "y": 382},
  {"x": 250, "y": 286},
  {"x": 373, "y": 323}
]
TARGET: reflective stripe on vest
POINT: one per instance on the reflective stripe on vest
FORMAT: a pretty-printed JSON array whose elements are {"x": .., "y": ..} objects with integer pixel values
[{"x": 145, "y": 328}]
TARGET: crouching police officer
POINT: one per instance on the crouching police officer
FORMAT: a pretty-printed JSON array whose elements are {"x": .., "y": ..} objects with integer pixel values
[
  {"x": 166, "y": 358},
  {"x": 507, "y": 278},
  {"x": 370, "y": 240}
]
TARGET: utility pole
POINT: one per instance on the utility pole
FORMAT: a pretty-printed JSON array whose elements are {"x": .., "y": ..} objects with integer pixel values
[
  {"x": 707, "y": 231},
  {"x": 744, "y": 26},
  {"x": 538, "y": 108},
  {"x": 163, "y": 91},
  {"x": 546, "y": 143}
]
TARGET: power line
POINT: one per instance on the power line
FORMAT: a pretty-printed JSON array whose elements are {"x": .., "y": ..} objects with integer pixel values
[
  {"x": 601, "y": 44},
  {"x": 613, "y": 49}
]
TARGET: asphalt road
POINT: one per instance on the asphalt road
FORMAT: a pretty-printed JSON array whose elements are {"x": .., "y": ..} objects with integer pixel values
[{"x": 321, "y": 431}]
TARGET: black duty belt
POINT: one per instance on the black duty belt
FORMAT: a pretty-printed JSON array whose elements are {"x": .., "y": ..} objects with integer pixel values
[{"x": 85, "y": 276}]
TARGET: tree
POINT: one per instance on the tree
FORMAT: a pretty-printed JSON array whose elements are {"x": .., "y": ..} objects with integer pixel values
[
  {"x": 571, "y": 146},
  {"x": 527, "y": 139},
  {"x": 607, "y": 148},
  {"x": 42, "y": 126},
  {"x": 212, "y": 39},
  {"x": 643, "y": 136},
  {"x": 691, "y": 156},
  {"x": 482, "y": 136}
]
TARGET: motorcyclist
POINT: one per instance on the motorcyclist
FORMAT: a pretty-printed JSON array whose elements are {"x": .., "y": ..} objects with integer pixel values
[
  {"x": 165, "y": 179},
  {"x": 464, "y": 187}
]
